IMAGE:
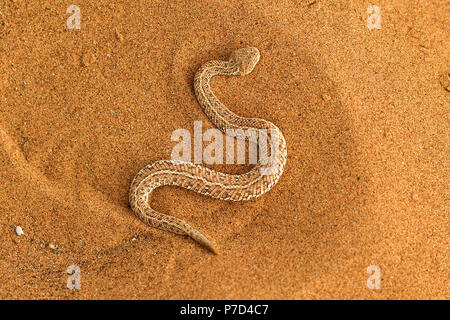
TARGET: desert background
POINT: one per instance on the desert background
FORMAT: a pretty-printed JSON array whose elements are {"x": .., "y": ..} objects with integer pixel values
[{"x": 365, "y": 113}]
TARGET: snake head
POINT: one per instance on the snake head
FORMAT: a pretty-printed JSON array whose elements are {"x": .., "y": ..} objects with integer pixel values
[{"x": 245, "y": 59}]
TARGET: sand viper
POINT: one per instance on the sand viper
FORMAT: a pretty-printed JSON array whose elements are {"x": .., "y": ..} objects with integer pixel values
[{"x": 203, "y": 180}]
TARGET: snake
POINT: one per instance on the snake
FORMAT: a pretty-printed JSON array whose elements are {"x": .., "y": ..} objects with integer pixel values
[{"x": 234, "y": 187}]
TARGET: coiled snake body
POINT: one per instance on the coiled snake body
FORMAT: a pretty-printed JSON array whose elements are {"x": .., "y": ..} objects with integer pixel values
[{"x": 201, "y": 179}]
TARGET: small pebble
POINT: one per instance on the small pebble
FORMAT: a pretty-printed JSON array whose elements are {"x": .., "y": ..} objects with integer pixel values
[
  {"x": 19, "y": 230},
  {"x": 52, "y": 246},
  {"x": 326, "y": 97}
]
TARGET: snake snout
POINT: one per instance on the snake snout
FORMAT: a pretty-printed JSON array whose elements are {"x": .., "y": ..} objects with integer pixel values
[{"x": 246, "y": 59}]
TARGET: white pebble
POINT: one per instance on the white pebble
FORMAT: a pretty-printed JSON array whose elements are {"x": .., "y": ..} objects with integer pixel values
[{"x": 19, "y": 231}]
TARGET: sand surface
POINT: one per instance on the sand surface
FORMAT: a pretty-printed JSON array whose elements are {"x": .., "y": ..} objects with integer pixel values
[{"x": 365, "y": 113}]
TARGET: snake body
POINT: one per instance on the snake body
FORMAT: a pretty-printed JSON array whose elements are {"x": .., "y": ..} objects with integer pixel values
[{"x": 203, "y": 180}]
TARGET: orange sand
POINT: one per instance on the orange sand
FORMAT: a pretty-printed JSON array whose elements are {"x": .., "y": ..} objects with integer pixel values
[{"x": 364, "y": 113}]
